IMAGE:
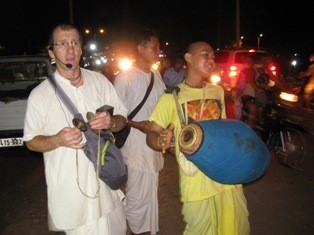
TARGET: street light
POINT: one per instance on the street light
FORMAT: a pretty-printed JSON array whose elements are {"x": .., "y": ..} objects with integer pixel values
[
  {"x": 93, "y": 33},
  {"x": 259, "y": 40},
  {"x": 100, "y": 31},
  {"x": 241, "y": 41}
]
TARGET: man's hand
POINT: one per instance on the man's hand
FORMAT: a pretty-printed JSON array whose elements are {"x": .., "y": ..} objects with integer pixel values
[
  {"x": 70, "y": 137},
  {"x": 101, "y": 121},
  {"x": 165, "y": 140}
]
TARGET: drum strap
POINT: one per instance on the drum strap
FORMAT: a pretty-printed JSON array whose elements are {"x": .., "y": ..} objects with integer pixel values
[{"x": 179, "y": 108}]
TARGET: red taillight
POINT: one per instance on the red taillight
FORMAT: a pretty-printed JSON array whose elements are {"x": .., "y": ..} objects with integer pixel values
[
  {"x": 273, "y": 70},
  {"x": 233, "y": 74},
  {"x": 233, "y": 71}
]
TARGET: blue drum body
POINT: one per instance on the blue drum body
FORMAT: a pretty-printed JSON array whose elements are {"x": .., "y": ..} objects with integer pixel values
[{"x": 227, "y": 151}]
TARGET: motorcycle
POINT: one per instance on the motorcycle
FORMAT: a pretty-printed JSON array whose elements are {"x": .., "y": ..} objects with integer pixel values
[
  {"x": 282, "y": 124},
  {"x": 291, "y": 122}
]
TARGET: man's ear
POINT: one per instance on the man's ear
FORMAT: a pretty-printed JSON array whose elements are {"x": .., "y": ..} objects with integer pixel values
[
  {"x": 188, "y": 57},
  {"x": 51, "y": 54},
  {"x": 140, "y": 49}
]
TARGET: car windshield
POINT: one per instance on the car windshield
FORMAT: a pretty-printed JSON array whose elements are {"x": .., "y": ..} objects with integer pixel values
[
  {"x": 222, "y": 57},
  {"x": 17, "y": 79},
  {"x": 240, "y": 57}
]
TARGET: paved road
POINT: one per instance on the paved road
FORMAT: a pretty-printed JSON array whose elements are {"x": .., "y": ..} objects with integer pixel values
[{"x": 280, "y": 203}]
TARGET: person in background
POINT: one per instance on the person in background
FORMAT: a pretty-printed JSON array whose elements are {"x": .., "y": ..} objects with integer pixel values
[
  {"x": 78, "y": 201},
  {"x": 308, "y": 94},
  {"x": 251, "y": 90},
  {"x": 246, "y": 86},
  {"x": 165, "y": 64},
  {"x": 264, "y": 66},
  {"x": 175, "y": 74},
  {"x": 144, "y": 164},
  {"x": 208, "y": 206}
]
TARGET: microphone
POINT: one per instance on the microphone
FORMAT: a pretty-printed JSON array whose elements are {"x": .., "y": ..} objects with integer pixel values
[{"x": 67, "y": 65}]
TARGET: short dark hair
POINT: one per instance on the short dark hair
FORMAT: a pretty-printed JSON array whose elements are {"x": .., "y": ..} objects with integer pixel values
[
  {"x": 142, "y": 37},
  {"x": 65, "y": 27},
  {"x": 193, "y": 45}
]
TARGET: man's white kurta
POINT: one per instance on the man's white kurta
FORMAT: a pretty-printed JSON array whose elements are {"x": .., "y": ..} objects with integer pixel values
[
  {"x": 131, "y": 86},
  {"x": 47, "y": 115}
]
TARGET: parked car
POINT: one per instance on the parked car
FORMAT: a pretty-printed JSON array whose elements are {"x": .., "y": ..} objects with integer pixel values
[
  {"x": 19, "y": 75},
  {"x": 229, "y": 63}
]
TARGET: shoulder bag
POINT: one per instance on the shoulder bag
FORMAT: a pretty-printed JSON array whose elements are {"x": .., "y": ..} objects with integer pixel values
[{"x": 99, "y": 147}]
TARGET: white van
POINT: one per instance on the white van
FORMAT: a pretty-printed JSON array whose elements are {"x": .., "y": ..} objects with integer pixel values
[{"x": 18, "y": 76}]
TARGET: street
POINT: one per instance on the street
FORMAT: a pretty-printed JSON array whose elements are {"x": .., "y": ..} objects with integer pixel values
[{"x": 281, "y": 202}]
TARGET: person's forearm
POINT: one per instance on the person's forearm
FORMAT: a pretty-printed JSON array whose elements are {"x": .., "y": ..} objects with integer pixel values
[
  {"x": 153, "y": 141},
  {"x": 132, "y": 123},
  {"x": 42, "y": 143},
  {"x": 143, "y": 126}
]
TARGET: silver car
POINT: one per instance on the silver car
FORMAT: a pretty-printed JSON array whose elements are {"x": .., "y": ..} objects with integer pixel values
[{"x": 18, "y": 76}]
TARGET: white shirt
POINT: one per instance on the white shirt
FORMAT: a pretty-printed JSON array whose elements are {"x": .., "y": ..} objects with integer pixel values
[
  {"x": 47, "y": 115},
  {"x": 131, "y": 86}
]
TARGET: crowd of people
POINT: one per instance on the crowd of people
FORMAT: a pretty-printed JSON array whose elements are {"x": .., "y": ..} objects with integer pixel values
[{"x": 78, "y": 202}]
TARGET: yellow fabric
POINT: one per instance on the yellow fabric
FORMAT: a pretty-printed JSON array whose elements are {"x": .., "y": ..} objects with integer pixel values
[
  {"x": 194, "y": 184},
  {"x": 209, "y": 208},
  {"x": 223, "y": 214}
]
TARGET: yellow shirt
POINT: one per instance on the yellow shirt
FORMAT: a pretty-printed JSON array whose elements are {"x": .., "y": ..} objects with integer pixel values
[{"x": 201, "y": 104}]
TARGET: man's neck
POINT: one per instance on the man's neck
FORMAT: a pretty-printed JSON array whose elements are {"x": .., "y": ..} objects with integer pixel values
[
  {"x": 194, "y": 83},
  {"x": 145, "y": 67},
  {"x": 69, "y": 73}
]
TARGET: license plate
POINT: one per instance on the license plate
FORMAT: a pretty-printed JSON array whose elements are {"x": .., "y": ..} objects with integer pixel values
[{"x": 11, "y": 142}]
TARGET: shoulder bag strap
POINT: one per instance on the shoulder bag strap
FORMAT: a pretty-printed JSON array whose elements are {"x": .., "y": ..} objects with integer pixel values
[
  {"x": 66, "y": 100},
  {"x": 149, "y": 88}
]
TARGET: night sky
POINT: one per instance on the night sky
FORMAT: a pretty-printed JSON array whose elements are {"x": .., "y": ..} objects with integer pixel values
[{"x": 25, "y": 24}]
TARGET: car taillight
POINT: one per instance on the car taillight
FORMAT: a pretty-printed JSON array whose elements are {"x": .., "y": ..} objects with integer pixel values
[
  {"x": 233, "y": 72},
  {"x": 273, "y": 70}
]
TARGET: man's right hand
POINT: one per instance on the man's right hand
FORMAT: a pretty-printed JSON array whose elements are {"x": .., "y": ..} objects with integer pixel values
[
  {"x": 67, "y": 137},
  {"x": 70, "y": 137},
  {"x": 165, "y": 140}
]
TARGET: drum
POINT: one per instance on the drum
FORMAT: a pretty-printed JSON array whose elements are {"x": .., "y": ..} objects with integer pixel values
[{"x": 227, "y": 151}]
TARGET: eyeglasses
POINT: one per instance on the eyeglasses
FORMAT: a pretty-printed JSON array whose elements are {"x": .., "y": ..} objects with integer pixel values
[{"x": 64, "y": 45}]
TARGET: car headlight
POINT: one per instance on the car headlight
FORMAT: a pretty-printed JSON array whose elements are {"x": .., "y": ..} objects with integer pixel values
[
  {"x": 289, "y": 97},
  {"x": 125, "y": 64},
  {"x": 155, "y": 66},
  {"x": 215, "y": 79},
  {"x": 98, "y": 61}
]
